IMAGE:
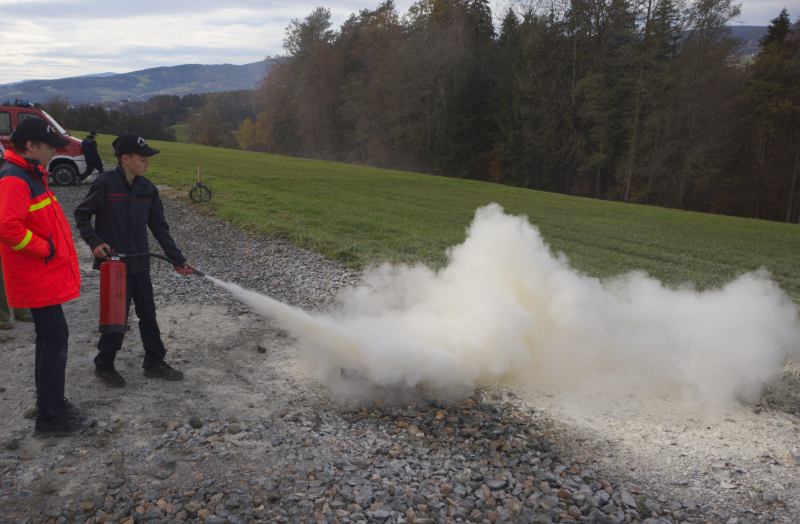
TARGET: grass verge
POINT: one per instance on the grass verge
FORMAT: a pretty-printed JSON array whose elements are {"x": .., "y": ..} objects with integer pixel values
[
  {"x": 181, "y": 132},
  {"x": 784, "y": 395}
]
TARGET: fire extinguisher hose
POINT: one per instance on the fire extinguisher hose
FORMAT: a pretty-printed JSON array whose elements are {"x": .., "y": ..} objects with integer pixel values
[{"x": 185, "y": 270}]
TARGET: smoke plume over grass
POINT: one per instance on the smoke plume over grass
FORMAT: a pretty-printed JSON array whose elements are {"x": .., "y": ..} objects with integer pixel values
[{"x": 506, "y": 307}]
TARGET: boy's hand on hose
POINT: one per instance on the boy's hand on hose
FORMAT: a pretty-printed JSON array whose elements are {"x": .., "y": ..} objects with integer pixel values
[{"x": 183, "y": 270}]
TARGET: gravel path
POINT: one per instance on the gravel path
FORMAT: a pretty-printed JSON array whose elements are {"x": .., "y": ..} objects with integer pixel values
[{"x": 251, "y": 436}]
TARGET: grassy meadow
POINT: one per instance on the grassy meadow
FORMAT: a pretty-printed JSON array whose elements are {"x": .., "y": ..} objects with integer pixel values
[
  {"x": 182, "y": 132},
  {"x": 361, "y": 216}
]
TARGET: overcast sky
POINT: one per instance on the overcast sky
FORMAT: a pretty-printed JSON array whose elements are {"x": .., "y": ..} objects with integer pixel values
[{"x": 57, "y": 39}]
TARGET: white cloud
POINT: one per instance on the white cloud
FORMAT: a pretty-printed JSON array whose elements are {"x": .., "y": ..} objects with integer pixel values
[
  {"x": 49, "y": 39},
  {"x": 62, "y": 39},
  {"x": 760, "y": 12}
]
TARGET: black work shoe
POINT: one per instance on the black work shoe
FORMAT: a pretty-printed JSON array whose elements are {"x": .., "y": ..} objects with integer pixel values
[
  {"x": 69, "y": 406},
  {"x": 62, "y": 425},
  {"x": 163, "y": 370},
  {"x": 110, "y": 377}
]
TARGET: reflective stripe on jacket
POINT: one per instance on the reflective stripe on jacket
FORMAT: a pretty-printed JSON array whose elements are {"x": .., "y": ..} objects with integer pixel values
[{"x": 31, "y": 218}]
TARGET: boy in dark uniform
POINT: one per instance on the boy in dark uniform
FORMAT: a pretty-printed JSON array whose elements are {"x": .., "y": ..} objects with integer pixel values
[
  {"x": 91, "y": 156},
  {"x": 124, "y": 204}
]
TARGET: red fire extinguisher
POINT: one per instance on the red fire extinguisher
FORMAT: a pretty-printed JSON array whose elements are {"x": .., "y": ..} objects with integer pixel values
[
  {"x": 113, "y": 314},
  {"x": 113, "y": 292}
]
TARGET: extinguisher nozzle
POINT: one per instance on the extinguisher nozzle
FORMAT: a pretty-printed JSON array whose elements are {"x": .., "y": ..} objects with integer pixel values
[{"x": 189, "y": 271}]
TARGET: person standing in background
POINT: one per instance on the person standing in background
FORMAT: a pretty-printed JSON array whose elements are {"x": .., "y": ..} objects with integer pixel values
[
  {"x": 92, "y": 157},
  {"x": 21, "y": 314}
]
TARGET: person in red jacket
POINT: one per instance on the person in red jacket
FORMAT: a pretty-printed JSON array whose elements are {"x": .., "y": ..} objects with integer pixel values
[{"x": 40, "y": 267}]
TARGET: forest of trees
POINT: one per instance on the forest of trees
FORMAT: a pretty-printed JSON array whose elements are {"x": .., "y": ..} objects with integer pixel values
[
  {"x": 643, "y": 102},
  {"x": 219, "y": 115},
  {"x": 213, "y": 118},
  {"x": 95, "y": 118}
]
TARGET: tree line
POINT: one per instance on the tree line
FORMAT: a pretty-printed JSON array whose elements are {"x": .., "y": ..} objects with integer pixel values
[
  {"x": 219, "y": 116},
  {"x": 96, "y": 118},
  {"x": 643, "y": 102},
  {"x": 213, "y": 118}
]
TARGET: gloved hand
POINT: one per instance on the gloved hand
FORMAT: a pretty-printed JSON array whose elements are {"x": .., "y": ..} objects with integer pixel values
[{"x": 185, "y": 270}]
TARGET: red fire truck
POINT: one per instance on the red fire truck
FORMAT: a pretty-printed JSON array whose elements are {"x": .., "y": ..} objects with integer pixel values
[{"x": 68, "y": 162}]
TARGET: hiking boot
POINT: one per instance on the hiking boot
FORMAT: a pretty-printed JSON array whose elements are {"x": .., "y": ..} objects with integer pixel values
[
  {"x": 163, "y": 370},
  {"x": 34, "y": 411},
  {"x": 6, "y": 324},
  {"x": 62, "y": 425},
  {"x": 24, "y": 318},
  {"x": 110, "y": 377}
]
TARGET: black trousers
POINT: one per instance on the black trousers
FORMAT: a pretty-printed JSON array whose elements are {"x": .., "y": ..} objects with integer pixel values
[
  {"x": 52, "y": 341},
  {"x": 91, "y": 167},
  {"x": 140, "y": 289}
]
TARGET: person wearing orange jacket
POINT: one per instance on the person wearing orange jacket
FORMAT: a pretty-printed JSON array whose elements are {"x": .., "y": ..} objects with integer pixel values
[{"x": 40, "y": 267}]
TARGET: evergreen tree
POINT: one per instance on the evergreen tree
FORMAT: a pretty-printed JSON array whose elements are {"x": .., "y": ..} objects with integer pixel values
[
  {"x": 777, "y": 30},
  {"x": 771, "y": 103}
]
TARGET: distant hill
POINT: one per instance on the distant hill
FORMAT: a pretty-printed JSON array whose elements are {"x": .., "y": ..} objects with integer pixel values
[
  {"x": 750, "y": 35},
  {"x": 40, "y": 80},
  {"x": 96, "y": 75},
  {"x": 141, "y": 85}
]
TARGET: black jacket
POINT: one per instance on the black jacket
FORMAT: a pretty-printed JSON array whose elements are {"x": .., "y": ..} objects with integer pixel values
[
  {"x": 123, "y": 212},
  {"x": 90, "y": 153}
]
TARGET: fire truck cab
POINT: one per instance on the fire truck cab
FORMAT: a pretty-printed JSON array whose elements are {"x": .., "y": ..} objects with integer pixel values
[{"x": 68, "y": 162}]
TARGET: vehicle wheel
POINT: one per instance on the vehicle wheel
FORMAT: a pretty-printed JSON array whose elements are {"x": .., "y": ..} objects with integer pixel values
[
  {"x": 200, "y": 193},
  {"x": 64, "y": 175}
]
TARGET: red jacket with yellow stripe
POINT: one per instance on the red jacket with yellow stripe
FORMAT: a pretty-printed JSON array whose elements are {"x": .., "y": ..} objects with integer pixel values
[{"x": 30, "y": 218}]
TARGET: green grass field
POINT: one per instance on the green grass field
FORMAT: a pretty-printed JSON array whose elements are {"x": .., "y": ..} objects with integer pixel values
[
  {"x": 361, "y": 216},
  {"x": 182, "y": 132}
]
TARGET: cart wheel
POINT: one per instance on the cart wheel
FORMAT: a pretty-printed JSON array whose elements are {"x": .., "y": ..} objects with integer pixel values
[{"x": 200, "y": 193}]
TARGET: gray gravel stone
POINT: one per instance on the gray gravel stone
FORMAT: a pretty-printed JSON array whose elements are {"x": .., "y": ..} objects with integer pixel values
[
  {"x": 115, "y": 482},
  {"x": 153, "y": 513},
  {"x": 628, "y": 500}
]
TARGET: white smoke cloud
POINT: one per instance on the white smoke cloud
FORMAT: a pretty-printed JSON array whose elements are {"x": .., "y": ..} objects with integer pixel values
[{"x": 505, "y": 307}]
